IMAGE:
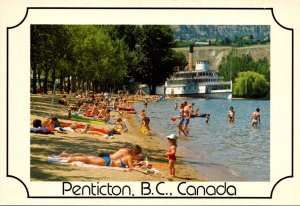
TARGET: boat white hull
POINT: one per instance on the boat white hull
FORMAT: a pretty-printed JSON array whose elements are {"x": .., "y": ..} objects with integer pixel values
[
  {"x": 216, "y": 94},
  {"x": 225, "y": 95}
]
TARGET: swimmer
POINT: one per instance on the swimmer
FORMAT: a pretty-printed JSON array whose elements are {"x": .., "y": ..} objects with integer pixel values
[
  {"x": 255, "y": 118},
  {"x": 176, "y": 106},
  {"x": 187, "y": 116},
  {"x": 231, "y": 114},
  {"x": 181, "y": 120}
]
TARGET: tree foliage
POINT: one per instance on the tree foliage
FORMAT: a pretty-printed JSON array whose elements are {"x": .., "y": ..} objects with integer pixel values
[
  {"x": 102, "y": 57},
  {"x": 235, "y": 64},
  {"x": 158, "y": 61},
  {"x": 258, "y": 33},
  {"x": 251, "y": 85}
]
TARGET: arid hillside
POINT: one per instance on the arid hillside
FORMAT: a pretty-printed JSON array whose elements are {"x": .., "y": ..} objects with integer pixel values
[{"x": 215, "y": 54}]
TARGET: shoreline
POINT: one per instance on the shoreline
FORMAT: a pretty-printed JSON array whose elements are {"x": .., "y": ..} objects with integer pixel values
[
  {"x": 44, "y": 145},
  {"x": 209, "y": 168}
]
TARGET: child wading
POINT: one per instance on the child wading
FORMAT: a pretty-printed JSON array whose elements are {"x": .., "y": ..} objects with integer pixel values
[{"x": 171, "y": 153}]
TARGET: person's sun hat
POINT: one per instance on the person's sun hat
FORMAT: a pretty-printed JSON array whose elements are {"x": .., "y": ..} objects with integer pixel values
[{"x": 172, "y": 136}]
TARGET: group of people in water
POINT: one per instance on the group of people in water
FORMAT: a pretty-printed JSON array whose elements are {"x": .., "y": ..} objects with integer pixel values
[
  {"x": 254, "y": 121},
  {"x": 186, "y": 112}
]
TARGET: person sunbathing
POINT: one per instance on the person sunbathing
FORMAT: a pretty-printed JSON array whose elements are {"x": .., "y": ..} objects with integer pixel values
[
  {"x": 120, "y": 126},
  {"x": 106, "y": 115},
  {"x": 121, "y": 152},
  {"x": 51, "y": 122},
  {"x": 125, "y": 161},
  {"x": 63, "y": 100},
  {"x": 117, "y": 155}
]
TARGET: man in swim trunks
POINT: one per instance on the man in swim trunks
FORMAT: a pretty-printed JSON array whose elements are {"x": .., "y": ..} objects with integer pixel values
[
  {"x": 255, "y": 118},
  {"x": 187, "y": 116},
  {"x": 181, "y": 116}
]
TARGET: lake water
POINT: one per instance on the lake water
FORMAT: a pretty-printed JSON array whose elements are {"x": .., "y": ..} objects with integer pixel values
[{"x": 220, "y": 151}]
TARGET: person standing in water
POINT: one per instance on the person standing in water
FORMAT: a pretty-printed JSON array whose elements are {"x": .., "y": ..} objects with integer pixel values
[
  {"x": 171, "y": 153},
  {"x": 145, "y": 119},
  {"x": 146, "y": 103},
  {"x": 187, "y": 116},
  {"x": 231, "y": 114},
  {"x": 176, "y": 106},
  {"x": 255, "y": 118},
  {"x": 181, "y": 120}
]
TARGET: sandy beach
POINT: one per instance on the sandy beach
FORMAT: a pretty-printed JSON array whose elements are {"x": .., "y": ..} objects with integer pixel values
[{"x": 42, "y": 146}]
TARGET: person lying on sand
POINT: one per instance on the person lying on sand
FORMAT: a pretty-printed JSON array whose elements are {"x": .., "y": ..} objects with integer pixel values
[
  {"x": 38, "y": 128},
  {"x": 125, "y": 161},
  {"x": 52, "y": 122},
  {"x": 121, "y": 152},
  {"x": 63, "y": 100},
  {"x": 114, "y": 156},
  {"x": 104, "y": 115}
]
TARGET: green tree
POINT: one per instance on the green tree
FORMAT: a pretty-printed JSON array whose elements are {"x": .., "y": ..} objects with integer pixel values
[
  {"x": 229, "y": 66},
  {"x": 102, "y": 58},
  {"x": 41, "y": 52},
  {"x": 234, "y": 63},
  {"x": 251, "y": 85},
  {"x": 157, "y": 59},
  {"x": 227, "y": 41},
  {"x": 263, "y": 67}
]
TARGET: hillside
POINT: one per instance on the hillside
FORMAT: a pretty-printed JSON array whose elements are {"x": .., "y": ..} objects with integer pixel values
[
  {"x": 188, "y": 32},
  {"x": 215, "y": 54}
]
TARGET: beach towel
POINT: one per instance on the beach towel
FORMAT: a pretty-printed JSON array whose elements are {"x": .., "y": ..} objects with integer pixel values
[
  {"x": 76, "y": 117},
  {"x": 57, "y": 159},
  {"x": 40, "y": 130}
]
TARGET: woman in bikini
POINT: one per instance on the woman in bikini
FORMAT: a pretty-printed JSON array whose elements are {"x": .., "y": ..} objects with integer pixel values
[
  {"x": 115, "y": 160},
  {"x": 231, "y": 114}
]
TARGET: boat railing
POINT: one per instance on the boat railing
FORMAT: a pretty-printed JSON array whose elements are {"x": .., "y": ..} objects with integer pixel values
[
  {"x": 201, "y": 83},
  {"x": 199, "y": 77},
  {"x": 218, "y": 83},
  {"x": 220, "y": 90}
]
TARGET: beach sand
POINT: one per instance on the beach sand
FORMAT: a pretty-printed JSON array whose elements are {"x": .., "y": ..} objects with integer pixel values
[{"x": 42, "y": 146}]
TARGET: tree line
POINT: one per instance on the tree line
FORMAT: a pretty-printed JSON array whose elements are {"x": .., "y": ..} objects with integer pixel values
[
  {"x": 102, "y": 57},
  {"x": 251, "y": 79},
  {"x": 237, "y": 41},
  {"x": 189, "y": 32}
]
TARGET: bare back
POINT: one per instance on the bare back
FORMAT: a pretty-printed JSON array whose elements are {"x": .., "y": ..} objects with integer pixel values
[
  {"x": 256, "y": 115},
  {"x": 120, "y": 153}
]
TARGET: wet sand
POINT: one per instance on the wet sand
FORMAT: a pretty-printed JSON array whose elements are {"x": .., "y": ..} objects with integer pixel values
[{"x": 42, "y": 146}]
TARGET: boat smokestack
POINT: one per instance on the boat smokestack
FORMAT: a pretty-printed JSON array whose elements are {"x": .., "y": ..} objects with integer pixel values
[{"x": 191, "y": 57}]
